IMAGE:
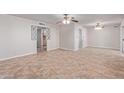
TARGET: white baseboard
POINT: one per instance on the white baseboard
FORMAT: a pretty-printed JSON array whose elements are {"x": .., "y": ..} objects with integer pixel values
[
  {"x": 52, "y": 49},
  {"x": 105, "y": 47},
  {"x": 3, "y": 59},
  {"x": 67, "y": 49}
]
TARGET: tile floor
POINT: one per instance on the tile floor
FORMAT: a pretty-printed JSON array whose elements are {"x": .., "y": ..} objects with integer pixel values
[{"x": 87, "y": 63}]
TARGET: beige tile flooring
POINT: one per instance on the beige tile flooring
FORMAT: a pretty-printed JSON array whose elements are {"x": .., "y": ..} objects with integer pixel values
[{"x": 87, "y": 63}]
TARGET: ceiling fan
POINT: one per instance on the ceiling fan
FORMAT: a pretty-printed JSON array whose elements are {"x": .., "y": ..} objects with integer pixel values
[{"x": 67, "y": 20}]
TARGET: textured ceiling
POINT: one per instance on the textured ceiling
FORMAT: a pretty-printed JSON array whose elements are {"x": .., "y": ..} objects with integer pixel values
[{"x": 84, "y": 19}]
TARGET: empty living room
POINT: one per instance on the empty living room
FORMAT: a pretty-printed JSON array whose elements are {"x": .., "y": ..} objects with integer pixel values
[{"x": 62, "y": 46}]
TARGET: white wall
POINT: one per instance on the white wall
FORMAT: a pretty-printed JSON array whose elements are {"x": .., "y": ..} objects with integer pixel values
[
  {"x": 108, "y": 37},
  {"x": 85, "y": 37},
  {"x": 15, "y": 37},
  {"x": 122, "y": 36},
  {"x": 77, "y": 38},
  {"x": 53, "y": 43},
  {"x": 67, "y": 37}
]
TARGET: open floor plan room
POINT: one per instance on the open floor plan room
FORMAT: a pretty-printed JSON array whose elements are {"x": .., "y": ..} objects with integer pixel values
[{"x": 61, "y": 46}]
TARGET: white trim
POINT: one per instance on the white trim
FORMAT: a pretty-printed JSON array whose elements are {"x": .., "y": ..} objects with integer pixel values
[
  {"x": 67, "y": 49},
  {"x": 104, "y": 47},
  {"x": 3, "y": 59},
  {"x": 40, "y": 25},
  {"x": 52, "y": 49}
]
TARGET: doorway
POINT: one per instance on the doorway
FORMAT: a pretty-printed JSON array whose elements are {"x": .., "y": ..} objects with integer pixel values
[{"x": 41, "y": 40}]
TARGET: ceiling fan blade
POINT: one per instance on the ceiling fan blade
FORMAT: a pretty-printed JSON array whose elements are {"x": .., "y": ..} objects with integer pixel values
[
  {"x": 65, "y": 14},
  {"x": 75, "y": 21}
]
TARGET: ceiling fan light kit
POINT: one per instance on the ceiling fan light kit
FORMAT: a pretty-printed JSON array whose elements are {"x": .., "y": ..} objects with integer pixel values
[
  {"x": 66, "y": 21},
  {"x": 98, "y": 27}
]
